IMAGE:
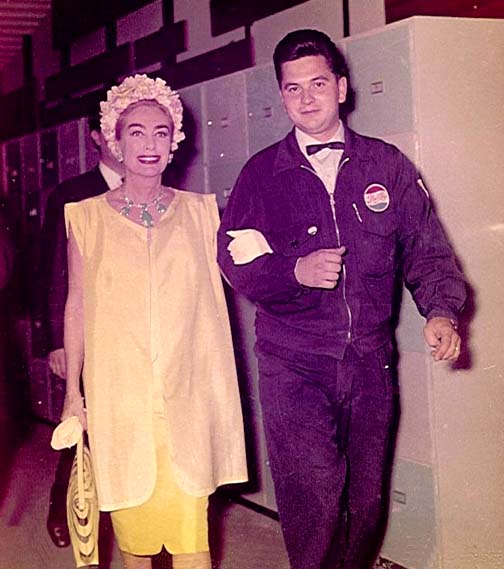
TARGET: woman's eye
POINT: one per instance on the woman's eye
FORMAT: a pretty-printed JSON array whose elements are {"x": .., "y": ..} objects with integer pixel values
[
  {"x": 136, "y": 133},
  {"x": 162, "y": 134}
]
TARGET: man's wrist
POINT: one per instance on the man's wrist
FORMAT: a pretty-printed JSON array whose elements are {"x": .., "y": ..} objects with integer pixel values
[{"x": 449, "y": 318}]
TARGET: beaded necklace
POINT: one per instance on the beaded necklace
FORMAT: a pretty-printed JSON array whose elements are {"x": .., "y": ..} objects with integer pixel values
[{"x": 145, "y": 216}]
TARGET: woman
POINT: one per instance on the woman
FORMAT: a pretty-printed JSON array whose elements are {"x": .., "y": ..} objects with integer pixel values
[{"x": 146, "y": 322}]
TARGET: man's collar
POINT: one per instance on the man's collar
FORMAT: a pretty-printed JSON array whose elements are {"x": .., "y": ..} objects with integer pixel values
[
  {"x": 113, "y": 179},
  {"x": 289, "y": 154},
  {"x": 304, "y": 139}
]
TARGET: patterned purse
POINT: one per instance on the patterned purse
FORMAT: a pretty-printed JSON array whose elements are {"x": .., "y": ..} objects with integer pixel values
[{"x": 82, "y": 501}]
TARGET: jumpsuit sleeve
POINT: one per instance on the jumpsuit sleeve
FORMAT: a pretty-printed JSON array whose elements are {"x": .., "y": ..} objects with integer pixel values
[
  {"x": 430, "y": 269},
  {"x": 270, "y": 277}
]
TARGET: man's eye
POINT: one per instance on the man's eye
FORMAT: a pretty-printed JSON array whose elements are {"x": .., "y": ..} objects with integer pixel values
[
  {"x": 292, "y": 89},
  {"x": 320, "y": 84}
]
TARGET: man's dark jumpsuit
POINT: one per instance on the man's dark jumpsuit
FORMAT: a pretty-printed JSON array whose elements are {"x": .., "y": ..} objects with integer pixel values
[{"x": 325, "y": 356}]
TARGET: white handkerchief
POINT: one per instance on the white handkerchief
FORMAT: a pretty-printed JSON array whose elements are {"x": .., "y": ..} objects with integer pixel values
[
  {"x": 66, "y": 434},
  {"x": 247, "y": 245}
]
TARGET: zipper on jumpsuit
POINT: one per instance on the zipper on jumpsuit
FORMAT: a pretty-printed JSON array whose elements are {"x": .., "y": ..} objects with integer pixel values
[{"x": 333, "y": 210}]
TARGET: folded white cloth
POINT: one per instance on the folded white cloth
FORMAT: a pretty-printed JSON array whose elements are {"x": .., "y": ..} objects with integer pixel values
[
  {"x": 66, "y": 434},
  {"x": 247, "y": 245}
]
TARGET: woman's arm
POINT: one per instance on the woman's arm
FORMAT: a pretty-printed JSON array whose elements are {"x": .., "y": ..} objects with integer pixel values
[{"x": 74, "y": 334}]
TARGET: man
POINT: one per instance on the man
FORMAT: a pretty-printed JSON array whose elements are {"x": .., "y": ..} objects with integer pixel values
[
  {"x": 107, "y": 175},
  {"x": 318, "y": 230}
]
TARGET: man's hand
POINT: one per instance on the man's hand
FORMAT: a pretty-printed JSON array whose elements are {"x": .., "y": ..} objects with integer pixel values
[
  {"x": 57, "y": 362},
  {"x": 321, "y": 268},
  {"x": 442, "y": 337}
]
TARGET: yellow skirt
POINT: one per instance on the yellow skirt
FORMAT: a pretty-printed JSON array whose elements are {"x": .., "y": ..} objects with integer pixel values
[{"x": 170, "y": 517}]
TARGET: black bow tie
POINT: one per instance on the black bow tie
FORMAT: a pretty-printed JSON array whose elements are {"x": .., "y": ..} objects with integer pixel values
[{"x": 314, "y": 148}]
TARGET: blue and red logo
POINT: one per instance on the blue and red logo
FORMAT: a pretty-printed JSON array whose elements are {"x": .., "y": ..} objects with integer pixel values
[{"x": 376, "y": 198}]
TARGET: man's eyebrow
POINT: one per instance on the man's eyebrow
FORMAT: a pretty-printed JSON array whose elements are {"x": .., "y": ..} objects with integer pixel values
[{"x": 317, "y": 78}]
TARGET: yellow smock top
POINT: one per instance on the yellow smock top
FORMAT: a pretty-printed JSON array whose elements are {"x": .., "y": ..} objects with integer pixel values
[{"x": 157, "y": 340}]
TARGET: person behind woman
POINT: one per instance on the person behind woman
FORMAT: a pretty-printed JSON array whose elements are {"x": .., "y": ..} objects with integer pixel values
[{"x": 146, "y": 321}]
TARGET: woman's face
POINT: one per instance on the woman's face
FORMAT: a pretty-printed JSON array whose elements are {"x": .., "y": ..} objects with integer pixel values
[{"x": 145, "y": 139}]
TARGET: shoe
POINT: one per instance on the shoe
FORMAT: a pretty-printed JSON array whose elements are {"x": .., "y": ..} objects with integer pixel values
[
  {"x": 59, "y": 534},
  {"x": 57, "y": 525}
]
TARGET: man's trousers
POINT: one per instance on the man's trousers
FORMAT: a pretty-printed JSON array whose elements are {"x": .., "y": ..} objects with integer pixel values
[{"x": 328, "y": 430}]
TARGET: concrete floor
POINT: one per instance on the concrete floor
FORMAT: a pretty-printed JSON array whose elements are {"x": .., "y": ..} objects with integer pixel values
[{"x": 240, "y": 537}]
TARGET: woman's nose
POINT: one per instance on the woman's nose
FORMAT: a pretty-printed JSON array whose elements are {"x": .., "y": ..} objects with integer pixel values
[{"x": 149, "y": 142}]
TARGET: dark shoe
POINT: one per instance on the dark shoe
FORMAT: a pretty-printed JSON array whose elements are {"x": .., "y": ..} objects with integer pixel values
[
  {"x": 57, "y": 525},
  {"x": 59, "y": 534}
]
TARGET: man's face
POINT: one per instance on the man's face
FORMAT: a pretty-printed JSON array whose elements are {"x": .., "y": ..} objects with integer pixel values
[
  {"x": 106, "y": 155},
  {"x": 311, "y": 95}
]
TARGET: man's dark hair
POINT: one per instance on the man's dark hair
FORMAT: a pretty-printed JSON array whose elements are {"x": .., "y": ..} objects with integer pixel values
[
  {"x": 301, "y": 43},
  {"x": 94, "y": 119}
]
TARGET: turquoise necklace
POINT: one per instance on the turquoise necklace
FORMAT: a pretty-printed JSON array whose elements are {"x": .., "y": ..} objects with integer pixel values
[{"x": 146, "y": 218}]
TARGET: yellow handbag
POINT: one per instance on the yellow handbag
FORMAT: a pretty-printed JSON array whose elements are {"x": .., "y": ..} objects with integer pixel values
[{"x": 82, "y": 501}]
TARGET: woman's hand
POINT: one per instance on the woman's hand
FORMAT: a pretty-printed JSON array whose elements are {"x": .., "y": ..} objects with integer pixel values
[{"x": 74, "y": 406}]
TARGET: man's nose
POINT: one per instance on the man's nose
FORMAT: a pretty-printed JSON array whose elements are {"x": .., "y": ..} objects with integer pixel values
[{"x": 306, "y": 96}]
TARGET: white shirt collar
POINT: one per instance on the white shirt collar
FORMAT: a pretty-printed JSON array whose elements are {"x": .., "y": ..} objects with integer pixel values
[
  {"x": 112, "y": 178},
  {"x": 304, "y": 139}
]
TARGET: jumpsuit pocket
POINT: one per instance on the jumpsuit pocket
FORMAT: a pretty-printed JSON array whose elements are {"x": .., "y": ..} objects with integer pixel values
[{"x": 376, "y": 246}]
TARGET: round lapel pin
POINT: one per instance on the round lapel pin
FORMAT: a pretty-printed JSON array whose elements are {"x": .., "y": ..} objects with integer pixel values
[{"x": 376, "y": 198}]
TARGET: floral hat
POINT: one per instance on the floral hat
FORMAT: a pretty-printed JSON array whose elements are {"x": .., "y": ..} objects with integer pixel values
[{"x": 132, "y": 90}]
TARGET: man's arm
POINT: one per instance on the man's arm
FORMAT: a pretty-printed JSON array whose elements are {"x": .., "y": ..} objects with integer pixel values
[
  {"x": 55, "y": 284},
  {"x": 429, "y": 266},
  {"x": 252, "y": 266},
  {"x": 269, "y": 277}
]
